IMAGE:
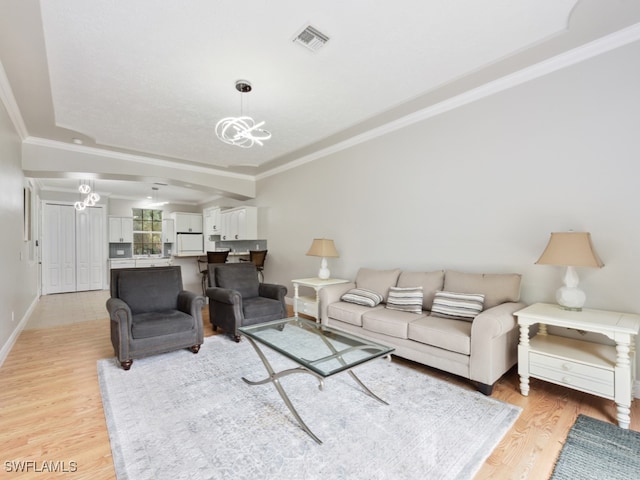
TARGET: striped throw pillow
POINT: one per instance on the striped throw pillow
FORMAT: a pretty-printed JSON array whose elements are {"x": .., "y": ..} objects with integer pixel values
[
  {"x": 461, "y": 306},
  {"x": 406, "y": 299},
  {"x": 362, "y": 296}
]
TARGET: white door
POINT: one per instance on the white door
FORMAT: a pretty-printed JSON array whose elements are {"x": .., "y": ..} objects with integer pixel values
[
  {"x": 98, "y": 249},
  {"x": 58, "y": 249},
  {"x": 83, "y": 250},
  {"x": 73, "y": 251},
  {"x": 89, "y": 249}
]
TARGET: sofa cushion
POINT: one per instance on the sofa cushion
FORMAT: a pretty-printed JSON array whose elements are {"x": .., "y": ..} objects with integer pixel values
[
  {"x": 377, "y": 280},
  {"x": 146, "y": 290},
  {"x": 431, "y": 282},
  {"x": 160, "y": 323},
  {"x": 389, "y": 322},
  {"x": 349, "y": 312},
  {"x": 242, "y": 278},
  {"x": 462, "y": 306},
  {"x": 362, "y": 296},
  {"x": 497, "y": 288},
  {"x": 452, "y": 335},
  {"x": 405, "y": 299}
]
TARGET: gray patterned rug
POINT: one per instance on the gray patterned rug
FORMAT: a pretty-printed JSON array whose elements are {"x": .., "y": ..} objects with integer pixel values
[
  {"x": 185, "y": 416},
  {"x": 598, "y": 450}
]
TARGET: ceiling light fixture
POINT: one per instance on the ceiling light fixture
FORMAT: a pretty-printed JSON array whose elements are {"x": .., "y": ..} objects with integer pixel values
[
  {"x": 91, "y": 197},
  {"x": 242, "y": 131}
]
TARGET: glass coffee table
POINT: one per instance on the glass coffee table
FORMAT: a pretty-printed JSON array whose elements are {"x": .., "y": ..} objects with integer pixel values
[{"x": 319, "y": 350}]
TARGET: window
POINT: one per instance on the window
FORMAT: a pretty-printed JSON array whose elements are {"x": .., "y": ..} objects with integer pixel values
[{"x": 147, "y": 231}]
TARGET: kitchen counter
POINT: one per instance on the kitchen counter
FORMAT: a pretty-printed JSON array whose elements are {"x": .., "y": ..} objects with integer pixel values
[{"x": 139, "y": 262}]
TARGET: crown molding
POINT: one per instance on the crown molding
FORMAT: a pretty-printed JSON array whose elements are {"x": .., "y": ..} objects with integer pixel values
[
  {"x": 43, "y": 142},
  {"x": 9, "y": 100}
]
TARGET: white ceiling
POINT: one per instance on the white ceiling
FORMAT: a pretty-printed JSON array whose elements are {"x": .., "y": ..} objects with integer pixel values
[{"x": 152, "y": 77}]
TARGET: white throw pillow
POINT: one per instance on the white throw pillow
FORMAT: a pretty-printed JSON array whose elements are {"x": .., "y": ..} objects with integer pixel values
[
  {"x": 460, "y": 306},
  {"x": 362, "y": 296},
  {"x": 406, "y": 299}
]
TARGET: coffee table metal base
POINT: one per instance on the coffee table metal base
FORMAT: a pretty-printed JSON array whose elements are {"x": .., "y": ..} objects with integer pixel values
[{"x": 274, "y": 377}]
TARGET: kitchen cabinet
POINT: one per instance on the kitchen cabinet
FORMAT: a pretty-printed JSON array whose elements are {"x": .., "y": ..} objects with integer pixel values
[
  {"x": 120, "y": 229},
  {"x": 240, "y": 223},
  {"x": 187, "y": 222},
  {"x": 168, "y": 230},
  {"x": 212, "y": 219},
  {"x": 122, "y": 263},
  {"x": 152, "y": 262}
]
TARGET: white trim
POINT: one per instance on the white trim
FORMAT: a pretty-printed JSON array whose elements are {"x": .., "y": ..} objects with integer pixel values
[
  {"x": 11, "y": 341},
  {"x": 43, "y": 142},
  {"x": 7, "y": 97},
  {"x": 579, "y": 54},
  {"x": 563, "y": 60}
]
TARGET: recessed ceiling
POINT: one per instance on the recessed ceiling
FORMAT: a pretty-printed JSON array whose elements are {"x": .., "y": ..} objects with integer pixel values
[{"x": 153, "y": 77}]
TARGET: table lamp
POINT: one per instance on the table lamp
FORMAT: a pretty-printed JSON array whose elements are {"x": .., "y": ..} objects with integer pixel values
[
  {"x": 570, "y": 249},
  {"x": 323, "y": 247}
]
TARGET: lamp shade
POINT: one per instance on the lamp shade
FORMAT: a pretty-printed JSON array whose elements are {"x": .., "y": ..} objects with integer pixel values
[
  {"x": 322, "y": 247},
  {"x": 570, "y": 249}
]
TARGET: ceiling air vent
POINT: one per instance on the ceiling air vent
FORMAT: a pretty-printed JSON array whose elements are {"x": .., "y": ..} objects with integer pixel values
[{"x": 311, "y": 38}]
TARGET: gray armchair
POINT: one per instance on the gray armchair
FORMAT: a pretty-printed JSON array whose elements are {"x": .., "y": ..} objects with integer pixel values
[
  {"x": 237, "y": 298},
  {"x": 151, "y": 313}
]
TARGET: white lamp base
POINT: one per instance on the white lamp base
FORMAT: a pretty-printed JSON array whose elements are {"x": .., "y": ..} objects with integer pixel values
[
  {"x": 570, "y": 297},
  {"x": 323, "y": 273}
]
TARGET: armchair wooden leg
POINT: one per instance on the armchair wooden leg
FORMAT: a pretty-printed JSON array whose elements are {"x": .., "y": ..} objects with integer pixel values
[
  {"x": 237, "y": 338},
  {"x": 126, "y": 364},
  {"x": 195, "y": 348}
]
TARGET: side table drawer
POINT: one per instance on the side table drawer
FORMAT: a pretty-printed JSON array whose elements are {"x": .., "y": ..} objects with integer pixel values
[
  {"x": 590, "y": 379},
  {"x": 308, "y": 306}
]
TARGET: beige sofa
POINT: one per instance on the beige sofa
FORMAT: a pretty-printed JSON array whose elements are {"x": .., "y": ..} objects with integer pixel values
[{"x": 481, "y": 349}]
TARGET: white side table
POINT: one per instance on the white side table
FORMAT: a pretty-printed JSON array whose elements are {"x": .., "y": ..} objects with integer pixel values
[
  {"x": 604, "y": 370},
  {"x": 311, "y": 305}
]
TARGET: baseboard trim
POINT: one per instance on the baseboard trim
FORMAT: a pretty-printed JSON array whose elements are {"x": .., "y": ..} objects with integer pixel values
[{"x": 11, "y": 341}]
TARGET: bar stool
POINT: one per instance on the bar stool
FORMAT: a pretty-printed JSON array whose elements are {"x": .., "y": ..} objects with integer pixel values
[{"x": 257, "y": 257}]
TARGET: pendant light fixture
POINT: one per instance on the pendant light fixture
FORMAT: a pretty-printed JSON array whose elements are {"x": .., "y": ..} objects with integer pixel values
[
  {"x": 90, "y": 199},
  {"x": 242, "y": 131}
]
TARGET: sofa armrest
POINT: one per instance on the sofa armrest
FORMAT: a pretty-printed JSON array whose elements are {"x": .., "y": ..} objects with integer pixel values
[
  {"x": 331, "y": 294},
  {"x": 272, "y": 290},
  {"x": 118, "y": 310},
  {"x": 191, "y": 303},
  {"x": 494, "y": 342},
  {"x": 495, "y": 321},
  {"x": 223, "y": 295}
]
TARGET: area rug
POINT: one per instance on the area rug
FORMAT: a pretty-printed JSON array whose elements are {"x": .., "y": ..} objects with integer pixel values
[
  {"x": 598, "y": 450},
  {"x": 185, "y": 416}
]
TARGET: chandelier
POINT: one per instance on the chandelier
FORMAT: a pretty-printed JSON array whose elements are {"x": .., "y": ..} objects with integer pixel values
[
  {"x": 242, "y": 131},
  {"x": 91, "y": 197}
]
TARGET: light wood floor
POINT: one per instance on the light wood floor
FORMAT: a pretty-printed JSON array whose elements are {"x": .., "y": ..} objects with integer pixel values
[{"x": 51, "y": 410}]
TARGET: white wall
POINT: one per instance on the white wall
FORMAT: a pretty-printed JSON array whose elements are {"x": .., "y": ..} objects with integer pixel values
[
  {"x": 19, "y": 272},
  {"x": 480, "y": 188}
]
